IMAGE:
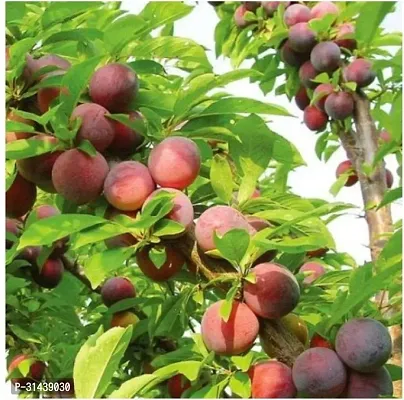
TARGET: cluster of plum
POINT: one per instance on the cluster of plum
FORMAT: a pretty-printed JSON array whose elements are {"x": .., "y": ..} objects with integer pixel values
[{"x": 304, "y": 51}]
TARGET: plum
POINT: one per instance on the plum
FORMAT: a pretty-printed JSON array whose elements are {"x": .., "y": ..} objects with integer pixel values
[
  {"x": 50, "y": 274},
  {"x": 231, "y": 337},
  {"x": 275, "y": 292},
  {"x": 325, "y": 56},
  {"x": 292, "y": 57},
  {"x": 347, "y": 168},
  {"x": 301, "y": 38},
  {"x": 345, "y": 36},
  {"x": 321, "y": 92},
  {"x": 323, "y": 8},
  {"x": 302, "y": 99},
  {"x": 316, "y": 270},
  {"x": 339, "y": 105},
  {"x": 20, "y": 197},
  {"x": 117, "y": 289},
  {"x": 315, "y": 119},
  {"x": 124, "y": 319},
  {"x": 177, "y": 385},
  {"x": 296, "y": 13},
  {"x": 360, "y": 71},
  {"x": 318, "y": 341},
  {"x": 307, "y": 73},
  {"x": 35, "y": 373}
]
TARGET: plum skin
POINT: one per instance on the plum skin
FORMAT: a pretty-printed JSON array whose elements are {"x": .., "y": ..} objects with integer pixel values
[
  {"x": 95, "y": 126},
  {"x": 174, "y": 261},
  {"x": 359, "y": 71},
  {"x": 318, "y": 372},
  {"x": 174, "y": 162},
  {"x": 307, "y": 73},
  {"x": 36, "y": 370},
  {"x": 343, "y": 168},
  {"x": 114, "y": 86},
  {"x": 124, "y": 319},
  {"x": 319, "y": 341},
  {"x": 79, "y": 177},
  {"x": 315, "y": 119},
  {"x": 301, "y": 38},
  {"x": 316, "y": 270},
  {"x": 233, "y": 337},
  {"x": 20, "y": 197},
  {"x": 274, "y": 294},
  {"x": 364, "y": 344},
  {"x": 339, "y": 105},
  {"x": 219, "y": 219},
  {"x": 50, "y": 275},
  {"x": 177, "y": 385},
  {"x": 325, "y": 56},
  {"x": 128, "y": 185},
  {"x": 296, "y": 13},
  {"x": 279, "y": 386},
  {"x": 302, "y": 99},
  {"x": 325, "y": 89},
  {"x": 116, "y": 289}
]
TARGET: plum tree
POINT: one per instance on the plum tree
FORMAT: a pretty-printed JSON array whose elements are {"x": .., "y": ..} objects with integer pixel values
[
  {"x": 315, "y": 271},
  {"x": 315, "y": 119},
  {"x": 339, "y": 105},
  {"x": 306, "y": 75},
  {"x": 323, "y": 8},
  {"x": 175, "y": 162},
  {"x": 219, "y": 220},
  {"x": 360, "y": 71},
  {"x": 296, "y": 13},
  {"x": 345, "y": 36},
  {"x": 231, "y": 337},
  {"x": 49, "y": 274},
  {"x": 271, "y": 6},
  {"x": 321, "y": 92},
  {"x": 280, "y": 384},
  {"x": 124, "y": 319},
  {"x": 12, "y": 227},
  {"x": 160, "y": 263},
  {"x": 35, "y": 373},
  {"x": 117, "y": 289},
  {"x": 325, "y": 56},
  {"x": 128, "y": 185},
  {"x": 114, "y": 86},
  {"x": 275, "y": 292},
  {"x": 182, "y": 211},
  {"x": 302, "y": 39},
  {"x": 318, "y": 341},
  {"x": 126, "y": 140},
  {"x": 347, "y": 169},
  {"x": 364, "y": 344},
  {"x": 369, "y": 386},
  {"x": 302, "y": 99},
  {"x": 292, "y": 57},
  {"x": 95, "y": 126},
  {"x": 20, "y": 197},
  {"x": 79, "y": 177},
  {"x": 125, "y": 239},
  {"x": 318, "y": 372},
  {"x": 38, "y": 169},
  {"x": 177, "y": 385}
]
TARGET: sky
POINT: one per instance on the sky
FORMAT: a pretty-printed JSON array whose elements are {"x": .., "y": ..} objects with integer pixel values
[{"x": 314, "y": 180}]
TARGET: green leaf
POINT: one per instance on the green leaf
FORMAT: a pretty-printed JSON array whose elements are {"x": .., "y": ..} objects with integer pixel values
[
  {"x": 243, "y": 362},
  {"x": 46, "y": 231},
  {"x": 190, "y": 369},
  {"x": 221, "y": 178},
  {"x": 233, "y": 245},
  {"x": 359, "y": 278},
  {"x": 395, "y": 372},
  {"x": 376, "y": 283},
  {"x": 240, "y": 384},
  {"x": 25, "y": 148},
  {"x": 147, "y": 67},
  {"x": 234, "y": 105},
  {"x": 173, "y": 48},
  {"x": 370, "y": 18},
  {"x": 100, "y": 265},
  {"x": 97, "y": 361},
  {"x": 391, "y": 196},
  {"x": 79, "y": 34},
  {"x": 166, "y": 227},
  {"x": 211, "y": 391},
  {"x": 227, "y": 306},
  {"x": 132, "y": 387},
  {"x": 24, "y": 335}
]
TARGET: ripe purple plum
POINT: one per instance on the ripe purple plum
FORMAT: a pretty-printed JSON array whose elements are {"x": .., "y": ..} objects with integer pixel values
[
  {"x": 239, "y": 18},
  {"x": 360, "y": 71},
  {"x": 389, "y": 178},
  {"x": 301, "y": 38},
  {"x": 233, "y": 337},
  {"x": 321, "y": 92},
  {"x": 315, "y": 119},
  {"x": 292, "y": 57},
  {"x": 306, "y": 74},
  {"x": 339, "y": 105},
  {"x": 79, "y": 177},
  {"x": 345, "y": 36},
  {"x": 20, "y": 197},
  {"x": 302, "y": 99},
  {"x": 114, "y": 86},
  {"x": 117, "y": 289},
  {"x": 318, "y": 372},
  {"x": 363, "y": 344},
  {"x": 95, "y": 126},
  {"x": 50, "y": 274},
  {"x": 346, "y": 167},
  {"x": 275, "y": 292},
  {"x": 323, "y": 8},
  {"x": 325, "y": 56},
  {"x": 296, "y": 13},
  {"x": 175, "y": 162},
  {"x": 271, "y": 7},
  {"x": 38, "y": 169}
]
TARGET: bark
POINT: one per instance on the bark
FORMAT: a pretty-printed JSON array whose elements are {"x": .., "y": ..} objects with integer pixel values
[{"x": 361, "y": 148}]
